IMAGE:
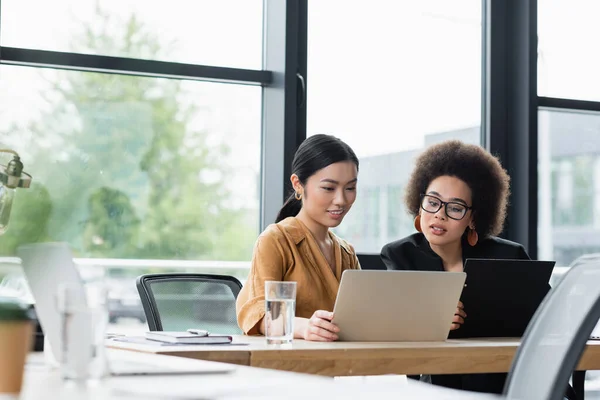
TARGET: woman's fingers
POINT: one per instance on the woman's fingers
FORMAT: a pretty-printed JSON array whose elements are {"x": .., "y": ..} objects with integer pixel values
[
  {"x": 320, "y": 328},
  {"x": 328, "y": 315},
  {"x": 324, "y": 324},
  {"x": 323, "y": 328},
  {"x": 459, "y": 317},
  {"x": 322, "y": 318},
  {"x": 319, "y": 334}
]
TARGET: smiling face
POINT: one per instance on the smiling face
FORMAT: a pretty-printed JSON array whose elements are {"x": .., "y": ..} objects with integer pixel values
[
  {"x": 438, "y": 228},
  {"x": 328, "y": 194}
]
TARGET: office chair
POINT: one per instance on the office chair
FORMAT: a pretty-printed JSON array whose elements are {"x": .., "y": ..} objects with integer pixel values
[
  {"x": 179, "y": 301},
  {"x": 557, "y": 334}
]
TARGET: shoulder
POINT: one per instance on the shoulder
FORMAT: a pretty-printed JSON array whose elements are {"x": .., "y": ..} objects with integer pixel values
[
  {"x": 408, "y": 243},
  {"x": 495, "y": 247},
  {"x": 283, "y": 232},
  {"x": 277, "y": 242},
  {"x": 493, "y": 242}
]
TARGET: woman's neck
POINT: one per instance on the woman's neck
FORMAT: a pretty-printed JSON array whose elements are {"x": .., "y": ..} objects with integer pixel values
[
  {"x": 451, "y": 254},
  {"x": 319, "y": 231}
]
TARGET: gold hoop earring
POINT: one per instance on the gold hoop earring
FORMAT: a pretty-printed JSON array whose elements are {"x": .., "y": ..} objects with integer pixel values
[{"x": 298, "y": 196}]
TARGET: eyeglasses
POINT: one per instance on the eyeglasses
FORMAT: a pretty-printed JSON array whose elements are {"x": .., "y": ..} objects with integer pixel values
[{"x": 432, "y": 204}]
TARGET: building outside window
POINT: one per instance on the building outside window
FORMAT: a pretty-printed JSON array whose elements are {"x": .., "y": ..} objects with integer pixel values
[{"x": 406, "y": 76}]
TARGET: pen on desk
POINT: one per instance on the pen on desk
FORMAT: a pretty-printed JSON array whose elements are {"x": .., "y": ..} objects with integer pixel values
[
  {"x": 199, "y": 332},
  {"x": 113, "y": 335}
]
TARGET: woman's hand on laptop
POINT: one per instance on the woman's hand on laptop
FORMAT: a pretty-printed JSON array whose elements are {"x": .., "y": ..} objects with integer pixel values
[
  {"x": 459, "y": 316},
  {"x": 317, "y": 328}
]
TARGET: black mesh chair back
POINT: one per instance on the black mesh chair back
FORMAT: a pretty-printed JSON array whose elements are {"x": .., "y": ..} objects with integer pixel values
[{"x": 176, "y": 302}]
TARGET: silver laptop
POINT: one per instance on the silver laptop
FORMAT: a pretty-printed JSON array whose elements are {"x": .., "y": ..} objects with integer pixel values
[
  {"x": 46, "y": 266},
  {"x": 394, "y": 306}
]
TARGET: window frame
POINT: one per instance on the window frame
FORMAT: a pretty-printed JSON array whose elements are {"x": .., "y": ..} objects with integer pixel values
[{"x": 510, "y": 109}]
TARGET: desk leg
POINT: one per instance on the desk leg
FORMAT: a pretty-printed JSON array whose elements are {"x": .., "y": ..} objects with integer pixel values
[{"x": 579, "y": 383}]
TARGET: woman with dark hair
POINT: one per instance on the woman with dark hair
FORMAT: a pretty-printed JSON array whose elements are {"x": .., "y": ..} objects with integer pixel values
[
  {"x": 458, "y": 194},
  {"x": 300, "y": 246}
]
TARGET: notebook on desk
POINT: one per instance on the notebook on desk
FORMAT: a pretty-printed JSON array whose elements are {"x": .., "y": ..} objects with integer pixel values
[
  {"x": 501, "y": 296},
  {"x": 153, "y": 343},
  {"x": 186, "y": 337}
]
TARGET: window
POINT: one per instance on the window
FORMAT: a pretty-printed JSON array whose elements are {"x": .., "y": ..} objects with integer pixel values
[
  {"x": 224, "y": 33},
  {"x": 398, "y": 224},
  {"x": 137, "y": 172},
  {"x": 132, "y": 167},
  {"x": 573, "y": 191},
  {"x": 569, "y": 185},
  {"x": 392, "y": 78},
  {"x": 568, "y": 130},
  {"x": 568, "y": 63}
]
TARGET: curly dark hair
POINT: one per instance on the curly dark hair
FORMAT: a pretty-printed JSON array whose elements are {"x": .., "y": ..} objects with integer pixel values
[{"x": 481, "y": 171}]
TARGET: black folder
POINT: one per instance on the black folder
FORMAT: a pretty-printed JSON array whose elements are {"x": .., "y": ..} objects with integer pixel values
[{"x": 501, "y": 296}]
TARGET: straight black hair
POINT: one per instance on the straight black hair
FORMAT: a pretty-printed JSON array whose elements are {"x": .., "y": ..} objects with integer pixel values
[{"x": 314, "y": 154}]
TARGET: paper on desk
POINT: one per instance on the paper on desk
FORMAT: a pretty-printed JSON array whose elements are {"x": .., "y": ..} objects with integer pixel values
[{"x": 143, "y": 340}]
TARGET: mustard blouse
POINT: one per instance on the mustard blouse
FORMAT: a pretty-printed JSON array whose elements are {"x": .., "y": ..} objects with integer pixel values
[{"x": 287, "y": 251}]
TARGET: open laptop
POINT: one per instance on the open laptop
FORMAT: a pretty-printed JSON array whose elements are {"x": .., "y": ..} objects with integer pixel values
[
  {"x": 501, "y": 296},
  {"x": 395, "y": 306},
  {"x": 46, "y": 266}
]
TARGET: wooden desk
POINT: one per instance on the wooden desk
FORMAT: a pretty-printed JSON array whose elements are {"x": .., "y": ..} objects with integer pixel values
[{"x": 357, "y": 359}]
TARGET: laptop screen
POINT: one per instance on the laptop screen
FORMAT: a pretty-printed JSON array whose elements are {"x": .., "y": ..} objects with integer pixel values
[{"x": 46, "y": 266}]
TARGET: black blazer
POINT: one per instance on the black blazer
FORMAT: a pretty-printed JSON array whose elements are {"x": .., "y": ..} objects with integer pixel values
[{"x": 414, "y": 253}]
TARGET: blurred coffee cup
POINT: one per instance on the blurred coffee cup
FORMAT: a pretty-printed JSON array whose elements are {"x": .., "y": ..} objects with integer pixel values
[{"x": 16, "y": 330}]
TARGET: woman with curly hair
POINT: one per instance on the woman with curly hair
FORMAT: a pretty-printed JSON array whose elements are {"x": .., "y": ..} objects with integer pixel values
[{"x": 458, "y": 194}]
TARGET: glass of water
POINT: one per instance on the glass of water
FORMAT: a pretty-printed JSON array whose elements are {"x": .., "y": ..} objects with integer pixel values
[
  {"x": 280, "y": 310},
  {"x": 83, "y": 321}
]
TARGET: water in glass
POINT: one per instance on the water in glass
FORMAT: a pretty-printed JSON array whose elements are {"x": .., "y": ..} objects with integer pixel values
[{"x": 279, "y": 321}]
